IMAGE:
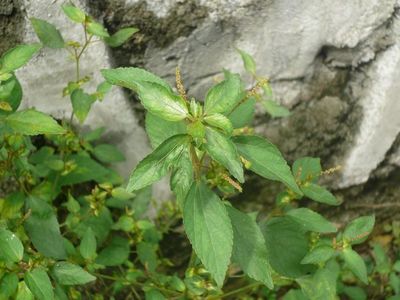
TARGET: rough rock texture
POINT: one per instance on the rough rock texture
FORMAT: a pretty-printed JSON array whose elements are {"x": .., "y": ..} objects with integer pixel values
[{"x": 333, "y": 63}]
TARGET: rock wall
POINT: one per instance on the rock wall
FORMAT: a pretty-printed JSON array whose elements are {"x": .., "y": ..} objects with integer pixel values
[{"x": 335, "y": 64}]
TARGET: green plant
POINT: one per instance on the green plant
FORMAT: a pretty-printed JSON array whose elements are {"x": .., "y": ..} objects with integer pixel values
[{"x": 69, "y": 230}]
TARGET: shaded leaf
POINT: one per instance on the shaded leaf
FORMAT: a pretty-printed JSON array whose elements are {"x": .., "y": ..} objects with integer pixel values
[{"x": 47, "y": 33}]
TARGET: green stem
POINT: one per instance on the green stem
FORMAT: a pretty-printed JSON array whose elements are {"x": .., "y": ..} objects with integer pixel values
[{"x": 237, "y": 291}]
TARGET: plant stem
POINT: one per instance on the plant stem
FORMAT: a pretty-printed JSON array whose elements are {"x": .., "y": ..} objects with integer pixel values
[{"x": 237, "y": 291}]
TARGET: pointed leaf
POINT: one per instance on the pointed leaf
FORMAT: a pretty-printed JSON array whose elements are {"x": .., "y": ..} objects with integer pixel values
[
  {"x": 88, "y": 245},
  {"x": 97, "y": 29},
  {"x": 120, "y": 37},
  {"x": 209, "y": 229},
  {"x": 32, "y": 122},
  {"x": 11, "y": 247},
  {"x": 243, "y": 115},
  {"x": 311, "y": 221},
  {"x": 356, "y": 264},
  {"x": 307, "y": 169},
  {"x": 74, "y": 13},
  {"x": 39, "y": 283},
  {"x": 18, "y": 56},
  {"x": 182, "y": 177},
  {"x": 69, "y": 274},
  {"x": 319, "y": 194},
  {"x": 108, "y": 153},
  {"x": 47, "y": 33},
  {"x": 248, "y": 62},
  {"x": 249, "y": 249},
  {"x": 224, "y": 96},
  {"x": 81, "y": 104},
  {"x": 24, "y": 293},
  {"x": 219, "y": 121},
  {"x": 359, "y": 229},
  {"x": 158, "y": 163},
  {"x": 159, "y": 129},
  {"x": 222, "y": 150},
  {"x": 318, "y": 255},
  {"x": 266, "y": 160}
]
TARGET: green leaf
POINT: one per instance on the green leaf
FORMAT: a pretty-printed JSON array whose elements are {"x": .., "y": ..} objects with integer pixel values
[
  {"x": 100, "y": 224},
  {"x": 24, "y": 293},
  {"x": 11, "y": 247},
  {"x": 274, "y": 109},
  {"x": 287, "y": 244},
  {"x": 243, "y": 115},
  {"x": 266, "y": 160},
  {"x": 39, "y": 283},
  {"x": 311, "y": 221},
  {"x": 69, "y": 274},
  {"x": 47, "y": 34},
  {"x": 224, "y": 96},
  {"x": 97, "y": 29},
  {"x": 355, "y": 293},
  {"x": 320, "y": 286},
  {"x": 88, "y": 245},
  {"x": 161, "y": 102},
  {"x": 43, "y": 229},
  {"x": 147, "y": 255},
  {"x": 8, "y": 285},
  {"x": 394, "y": 280},
  {"x": 104, "y": 87},
  {"x": 307, "y": 169},
  {"x": 223, "y": 150},
  {"x": 132, "y": 77},
  {"x": 81, "y": 104},
  {"x": 74, "y": 13},
  {"x": 182, "y": 177},
  {"x": 108, "y": 153},
  {"x": 319, "y": 194},
  {"x": 382, "y": 261},
  {"x": 120, "y": 37},
  {"x": 356, "y": 264},
  {"x": 154, "y": 295},
  {"x": 18, "y": 56},
  {"x": 359, "y": 229},
  {"x": 115, "y": 254},
  {"x": 221, "y": 122},
  {"x": 248, "y": 62},
  {"x": 160, "y": 130},
  {"x": 11, "y": 93},
  {"x": 209, "y": 229},
  {"x": 294, "y": 295},
  {"x": 158, "y": 163},
  {"x": 249, "y": 249},
  {"x": 141, "y": 203},
  {"x": 32, "y": 122},
  {"x": 318, "y": 255}
]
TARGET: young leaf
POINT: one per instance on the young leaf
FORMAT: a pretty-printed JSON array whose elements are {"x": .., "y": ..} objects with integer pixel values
[
  {"x": 74, "y": 13},
  {"x": 114, "y": 254},
  {"x": 221, "y": 122},
  {"x": 43, "y": 229},
  {"x": 11, "y": 247},
  {"x": 69, "y": 274},
  {"x": 23, "y": 293},
  {"x": 274, "y": 109},
  {"x": 81, "y": 104},
  {"x": 88, "y": 245},
  {"x": 147, "y": 255},
  {"x": 11, "y": 93},
  {"x": 359, "y": 229},
  {"x": 307, "y": 169},
  {"x": 18, "y": 56},
  {"x": 161, "y": 102},
  {"x": 47, "y": 34},
  {"x": 221, "y": 149},
  {"x": 266, "y": 160},
  {"x": 39, "y": 283},
  {"x": 356, "y": 264},
  {"x": 32, "y": 122},
  {"x": 318, "y": 255},
  {"x": 287, "y": 245},
  {"x": 158, "y": 163},
  {"x": 131, "y": 77},
  {"x": 209, "y": 229},
  {"x": 249, "y": 249},
  {"x": 182, "y": 177},
  {"x": 97, "y": 29},
  {"x": 319, "y": 194},
  {"x": 311, "y": 221},
  {"x": 120, "y": 37},
  {"x": 224, "y": 96},
  {"x": 8, "y": 285},
  {"x": 160, "y": 130},
  {"x": 248, "y": 62},
  {"x": 108, "y": 153},
  {"x": 243, "y": 115}
]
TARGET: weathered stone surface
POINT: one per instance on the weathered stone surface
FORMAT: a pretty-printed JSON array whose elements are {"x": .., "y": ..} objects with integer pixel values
[{"x": 333, "y": 63}]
